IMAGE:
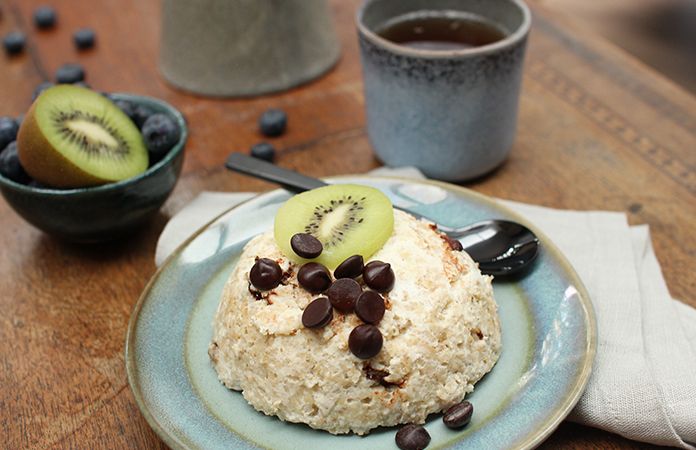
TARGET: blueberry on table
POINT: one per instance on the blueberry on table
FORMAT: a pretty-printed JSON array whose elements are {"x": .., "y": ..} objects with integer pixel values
[
  {"x": 160, "y": 133},
  {"x": 8, "y": 131},
  {"x": 84, "y": 38},
  {"x": 69, "y": 74},
  {"x": 263, "y": 150},
  {"x": 272, "y": 122},
  {"x": 10, "y": 167},
  {"x": 44, "y": 17},
  {"x": 14, "y": 42}
]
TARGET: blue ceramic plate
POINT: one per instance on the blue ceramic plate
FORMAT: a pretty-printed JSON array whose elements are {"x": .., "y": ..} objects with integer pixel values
[{"x": 547, "y": 320}]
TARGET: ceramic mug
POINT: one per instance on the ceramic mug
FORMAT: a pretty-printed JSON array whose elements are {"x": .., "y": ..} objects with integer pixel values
[
  {"x": 231, "y": 48},
  {"x": 451, "y": 113}
]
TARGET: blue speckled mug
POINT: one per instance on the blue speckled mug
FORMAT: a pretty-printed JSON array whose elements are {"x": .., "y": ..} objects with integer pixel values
[{"x": 450, "y": 113}]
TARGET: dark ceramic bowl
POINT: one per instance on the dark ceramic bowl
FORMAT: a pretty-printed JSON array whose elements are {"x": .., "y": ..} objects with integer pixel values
[{"x": 104, "y": 212}]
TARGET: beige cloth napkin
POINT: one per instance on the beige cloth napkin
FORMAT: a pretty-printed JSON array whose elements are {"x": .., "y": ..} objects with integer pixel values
[{"x": 643, "y": 384}]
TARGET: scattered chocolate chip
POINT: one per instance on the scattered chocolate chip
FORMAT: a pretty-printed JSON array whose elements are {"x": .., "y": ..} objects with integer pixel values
[
  {"x": 369, "y": 307},
  {"x": 265, "y": 274},
  {"x": 458, "y": 415},
  {"x": 352, "y": 267},
  {"x": 365, "y": 341},
  {"x": 306, "y": 245},
  {"x": 379, "y": 276},
  {"x": 412, "y": 437},
  {"x": 314, "y": 277},
  {"x": 343, "y": 293},
  {"x": 317, "y": 314},
  {"x": 454, "y": 244}
]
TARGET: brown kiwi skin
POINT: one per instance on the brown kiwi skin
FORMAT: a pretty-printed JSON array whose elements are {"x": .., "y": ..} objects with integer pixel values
[{"x": 50, "y": 168}]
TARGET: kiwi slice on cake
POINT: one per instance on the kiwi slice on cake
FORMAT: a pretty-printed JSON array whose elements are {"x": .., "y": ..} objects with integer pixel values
[
  {"x": 348, "y": 219},
  {"x": 74, "y": 137}
]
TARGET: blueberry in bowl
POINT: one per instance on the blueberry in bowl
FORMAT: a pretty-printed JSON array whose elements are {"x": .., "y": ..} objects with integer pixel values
[{"x": 83, "y": 198}]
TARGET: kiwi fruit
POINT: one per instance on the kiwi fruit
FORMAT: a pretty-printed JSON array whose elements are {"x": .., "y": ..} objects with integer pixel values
[
  {"x": 348, "y": 219},
  {"x": 73, "y": 137}
]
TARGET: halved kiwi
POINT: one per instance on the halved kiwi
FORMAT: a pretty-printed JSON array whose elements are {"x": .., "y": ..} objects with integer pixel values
[
  {"x": 74, "y": 137},
  {"x": 348, "y": 219}
]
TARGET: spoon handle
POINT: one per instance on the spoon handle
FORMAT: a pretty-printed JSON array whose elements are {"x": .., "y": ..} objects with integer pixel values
[
  {"x": 292, "y": 181},
  {"x": 258, "y": 168}
]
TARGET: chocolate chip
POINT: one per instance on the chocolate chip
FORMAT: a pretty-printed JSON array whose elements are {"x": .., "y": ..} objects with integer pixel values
[
  {"x": 314, "y": 277},
  {"x": 343, "y": 293},
  {"x": 458, "y": 415},
  {"x": 352, "y": 267},
  {"x": 306, "y": 245},
  {"x": 412, "y": 437},
  {"x": 369, "y": 307},
  {"x": 265, "y": 274},
  {"x": 379, "y": 276},
  {"x": 317, "y": 314},
  {"x": 365, "y": 341}
]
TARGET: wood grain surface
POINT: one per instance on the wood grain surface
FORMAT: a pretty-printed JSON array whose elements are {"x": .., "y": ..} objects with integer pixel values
[{"x": 597, "y": 130}]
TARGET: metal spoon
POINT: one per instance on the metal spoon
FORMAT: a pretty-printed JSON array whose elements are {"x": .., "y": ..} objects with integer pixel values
[{"x": 500, "y": 247}]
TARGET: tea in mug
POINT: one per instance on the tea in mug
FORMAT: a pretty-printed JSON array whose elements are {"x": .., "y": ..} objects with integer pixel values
[{"x": 440, "y": 31}]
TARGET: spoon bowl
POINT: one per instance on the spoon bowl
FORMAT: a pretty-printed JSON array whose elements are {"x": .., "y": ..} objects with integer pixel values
[{"x": 500, "y": 247}]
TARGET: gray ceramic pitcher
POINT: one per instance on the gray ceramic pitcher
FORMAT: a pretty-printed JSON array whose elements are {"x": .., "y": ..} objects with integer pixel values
[{"x": 245, "y": 47}]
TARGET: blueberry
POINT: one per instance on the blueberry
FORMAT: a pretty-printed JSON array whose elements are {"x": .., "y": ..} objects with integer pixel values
[
  {"x": 127, "y": 107},
  {"x": 140, "y": 114},
  {"x": 263, "y": 150},
  {"x": 135, "y": 112},
  {"x": 8, "y": 130},
  {"x": 69, "y": 74},
  {"x": 40, "y": 88},
  {"x": 160, "y": 134},
  {"x": 84, "y": 38},
  {"x": 10, "y": 167},
  {"x": 14, "y": 42},
  {"x": 45, "y": 17},
  {"x": 272, "y": 122}
]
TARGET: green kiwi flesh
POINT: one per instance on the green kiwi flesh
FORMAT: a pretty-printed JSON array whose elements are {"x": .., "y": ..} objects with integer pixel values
[
  {"x": 348, "y": 219},
  {"x": 74, "y": 137}
]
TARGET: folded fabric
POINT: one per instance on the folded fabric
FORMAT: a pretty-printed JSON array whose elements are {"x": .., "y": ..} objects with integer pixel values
[{"x": 643, "y": 384}]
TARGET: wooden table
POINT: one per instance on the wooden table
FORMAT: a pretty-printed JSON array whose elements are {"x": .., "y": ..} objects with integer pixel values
[{"x": 597, "y": 130}]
